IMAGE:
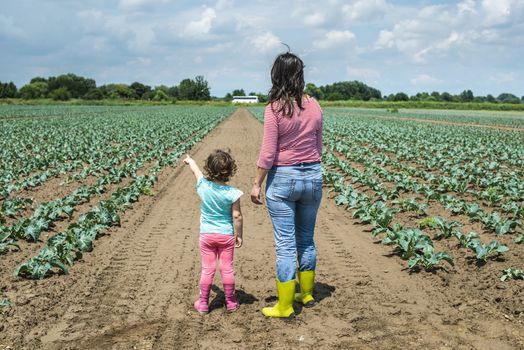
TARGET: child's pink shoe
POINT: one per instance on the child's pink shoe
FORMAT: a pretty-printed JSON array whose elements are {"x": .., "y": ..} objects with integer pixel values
[
  {"x": 201, "y": 304},
  {"x": 231, "y": 302}
]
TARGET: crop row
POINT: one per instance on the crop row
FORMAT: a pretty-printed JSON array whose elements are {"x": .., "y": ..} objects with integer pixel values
[{"x": 133, "y": 140}]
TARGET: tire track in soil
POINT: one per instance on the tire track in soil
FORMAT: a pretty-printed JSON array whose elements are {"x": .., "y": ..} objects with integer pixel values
[{"x": 142, "y": 298}]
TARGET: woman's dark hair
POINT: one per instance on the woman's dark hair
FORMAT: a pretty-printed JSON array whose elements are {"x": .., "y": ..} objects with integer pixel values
[
  {"x": 287, "y": 77},
  {"x": 220, "y": 166}
]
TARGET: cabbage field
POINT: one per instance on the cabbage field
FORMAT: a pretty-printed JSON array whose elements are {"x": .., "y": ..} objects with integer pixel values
[
  {"x": 420, "y": 234},
  {"x": 434, "y": 192},
  {"x": 116, "y": 152}
]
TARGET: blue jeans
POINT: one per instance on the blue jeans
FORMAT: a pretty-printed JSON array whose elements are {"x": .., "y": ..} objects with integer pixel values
[{"x": 293, "y": 195}]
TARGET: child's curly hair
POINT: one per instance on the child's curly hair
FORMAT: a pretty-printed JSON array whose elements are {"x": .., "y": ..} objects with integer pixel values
[{"x": 220, "y": 166}]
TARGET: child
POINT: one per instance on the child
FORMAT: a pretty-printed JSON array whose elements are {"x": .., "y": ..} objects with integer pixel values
[{"x": 220, "y": 225}]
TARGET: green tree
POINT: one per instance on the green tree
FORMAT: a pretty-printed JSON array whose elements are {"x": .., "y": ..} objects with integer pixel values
[
  {"x": 435, "y": 95},
  {"x": 60, "y": 94},
  {"x": 446, "y": 97},
  {"x": 173, "y": 92},
  {"x": 186, "y": 90},
  {"x": 238, "y": 92},
  {"x": 350, "y": 90},
  {"x": 160, "y": 95},
  {"x": 508, "y": 98},
  {"x": 466, "y": 96},
  {"x": 334, "y": 96},
  {"x": 94, "y": 94},
  {"x": 34, "y": 90},
  {"x": 202, "y": 88},
  {"x": 38, "y": 80},
  {"x": 8, "y": 90},
  {"x": 140, "y": 89},
  {"x": 76, "y": 85},
  {"x": 116, "y": 91},
  {"x": 261, "y": 97},
  {"x": 401, "y": 96},
  {"x": 197, "y": 89},
  {"x": 490, "y": 98},
  {"x": 314, "y": 91}
]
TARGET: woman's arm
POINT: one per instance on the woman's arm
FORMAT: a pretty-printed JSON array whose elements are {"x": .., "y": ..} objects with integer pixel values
[
  {"x": 257, "y": 185},
  {"x": 319, "y": 138},
  {"x": 194, "y": 167},
  {"x": 238, "y": 222},
  {"x": 268, "y": 151}
]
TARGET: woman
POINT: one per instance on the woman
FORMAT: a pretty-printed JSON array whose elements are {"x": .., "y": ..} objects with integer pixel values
[{"x": 290, "y": 157}]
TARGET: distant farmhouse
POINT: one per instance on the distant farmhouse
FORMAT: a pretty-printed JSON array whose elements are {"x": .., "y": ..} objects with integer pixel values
[{"x": 245, "y": 99}]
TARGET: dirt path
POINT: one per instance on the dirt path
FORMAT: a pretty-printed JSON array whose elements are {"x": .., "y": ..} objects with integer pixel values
[{"x": 135, "y": 291}]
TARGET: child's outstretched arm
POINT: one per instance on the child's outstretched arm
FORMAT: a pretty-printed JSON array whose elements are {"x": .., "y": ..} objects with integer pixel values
[
  {"x": 194, "y": 167},
  {"x": 237, "y": 221}
]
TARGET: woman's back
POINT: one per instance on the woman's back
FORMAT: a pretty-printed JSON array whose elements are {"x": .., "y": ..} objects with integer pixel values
[{"x": 292, "y": 140}]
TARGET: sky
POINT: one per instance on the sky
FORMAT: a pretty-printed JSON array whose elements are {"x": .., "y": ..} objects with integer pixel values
[{"x": 409, "y": 46}]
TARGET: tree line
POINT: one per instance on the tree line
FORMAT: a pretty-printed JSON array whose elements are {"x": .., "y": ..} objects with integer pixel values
[
  {"x": 67, "y": 86},
  {"x": 356, "y": 90}
]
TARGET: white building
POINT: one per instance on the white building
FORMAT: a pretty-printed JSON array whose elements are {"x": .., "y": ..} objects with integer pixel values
[{"x": 245, "y": 99}]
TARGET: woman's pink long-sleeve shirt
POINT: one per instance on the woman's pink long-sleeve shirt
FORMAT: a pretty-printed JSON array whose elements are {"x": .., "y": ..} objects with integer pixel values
[{"x": 292, "y": 140}]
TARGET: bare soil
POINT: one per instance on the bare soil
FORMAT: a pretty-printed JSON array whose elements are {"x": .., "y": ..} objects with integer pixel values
[{"x": 136, "y": 289}]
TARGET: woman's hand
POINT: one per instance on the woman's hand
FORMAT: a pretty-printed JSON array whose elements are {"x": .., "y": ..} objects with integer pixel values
[{"x": 255, "y": 194}]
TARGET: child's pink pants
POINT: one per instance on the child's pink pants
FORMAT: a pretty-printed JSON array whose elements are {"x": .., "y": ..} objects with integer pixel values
[{"x": 213, "y": 246}]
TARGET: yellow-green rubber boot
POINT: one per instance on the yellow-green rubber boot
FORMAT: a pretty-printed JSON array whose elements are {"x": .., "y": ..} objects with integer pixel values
[
  {"x": 284, "y": 306},
  {"x": 306, "y": 280}
]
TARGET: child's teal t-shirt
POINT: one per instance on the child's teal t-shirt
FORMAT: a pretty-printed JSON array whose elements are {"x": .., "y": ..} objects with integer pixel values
[{"x": 215, "y": 207}]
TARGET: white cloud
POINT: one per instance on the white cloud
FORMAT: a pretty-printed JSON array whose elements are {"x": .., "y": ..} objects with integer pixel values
[
  {"x": 202, "y": 26},
  {"x": 143, "y": 39},
  {"x": 462, "y": 44},
  {"x": 425, "y": 80},
  {"x": 466, "y": 6},
  {"x": 314, "y": 19},
  {"x": 454, "y": 39},
  {"x": 334, "y": 38},
  {"x": 365, "y": 9},
  {"x": 366, "y": 74},
  {"x": 385, "y": 39},
  {"x": 267, "y": 43},
  {"x": 135, "y": 4},
  {"x": 497, "y": 11}
]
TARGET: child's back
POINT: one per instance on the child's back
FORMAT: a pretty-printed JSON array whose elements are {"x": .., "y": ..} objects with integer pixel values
[
  {"x": 215, "y": 208},
  {"x": 220, "y": 225}
]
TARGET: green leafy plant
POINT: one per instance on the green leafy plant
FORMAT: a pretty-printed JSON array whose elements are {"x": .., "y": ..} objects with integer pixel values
[
  {"x": 411, "y": 204},
  {"x": 429, "y": 259},
  {"x": 492, "y": 195},
  {"x": 6, "y": 243},
  {"x": 4, "y": 305},
  {"x": 408, "y": 241},
  {"x": 512, "y": 273},
  {"x": 466, "y": 240},
  {"x": 446, "y": 227},
  {"x": 430, "y": 223},
  {"x": 484, "y": 252},
  {"x": 39, "y": 266},
  {"x": 474, "y": 211}
]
